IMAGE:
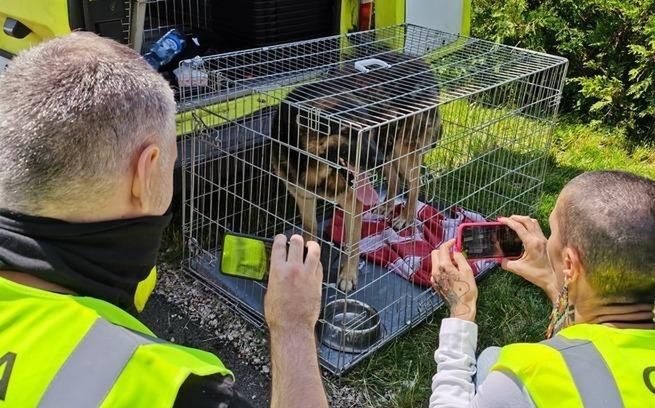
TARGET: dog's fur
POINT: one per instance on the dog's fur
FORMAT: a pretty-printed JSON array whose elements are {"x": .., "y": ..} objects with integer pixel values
[{"x": 314, "y": 152}]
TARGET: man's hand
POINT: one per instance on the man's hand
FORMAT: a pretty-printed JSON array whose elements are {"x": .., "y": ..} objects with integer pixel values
[
  {"x": 291, "y": 306},
  {"x": 452, "y": 278},
  {"x": 533, "y": 266},
  {"x": 293, "y": 297}
]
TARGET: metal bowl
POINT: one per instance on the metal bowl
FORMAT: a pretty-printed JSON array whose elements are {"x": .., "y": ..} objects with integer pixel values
[{"x": 350, "y": 325}]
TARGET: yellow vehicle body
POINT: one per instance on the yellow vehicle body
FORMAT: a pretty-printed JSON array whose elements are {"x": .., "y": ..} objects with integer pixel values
[{"x": 47, "y": 19}]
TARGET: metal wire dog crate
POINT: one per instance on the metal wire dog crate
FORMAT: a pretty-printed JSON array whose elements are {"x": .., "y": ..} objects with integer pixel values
[{"x": 374, "y": 144}]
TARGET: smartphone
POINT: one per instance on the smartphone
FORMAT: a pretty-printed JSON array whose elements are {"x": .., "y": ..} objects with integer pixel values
[
  {"x": 488, "y": 241},
  {"x": 246, "y": 256}
]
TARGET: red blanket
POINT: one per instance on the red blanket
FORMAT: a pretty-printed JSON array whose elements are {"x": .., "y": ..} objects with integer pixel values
[{"x": 407, "y": 252}]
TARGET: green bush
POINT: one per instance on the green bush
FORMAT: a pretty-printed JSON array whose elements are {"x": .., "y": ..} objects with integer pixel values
[{"x": 610, "y": 45}]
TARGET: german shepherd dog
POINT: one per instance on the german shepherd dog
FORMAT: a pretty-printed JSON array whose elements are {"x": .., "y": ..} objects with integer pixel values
[{"x": 317, "y": 154}]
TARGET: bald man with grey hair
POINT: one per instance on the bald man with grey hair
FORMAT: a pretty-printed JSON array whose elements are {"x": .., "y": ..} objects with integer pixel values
[
  {"x": 87, "y": 153},
  {"x": 70, "y": 128}
]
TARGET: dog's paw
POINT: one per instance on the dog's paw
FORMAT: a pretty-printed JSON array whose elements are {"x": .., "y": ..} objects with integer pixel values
[
  {"x": 347, "y": 279},
  {"x": 399, "y": 222},
  {"x": 402, "y": 220},
  {"x": 347, "y": 284},
  {"x": 386, "y": 210}
]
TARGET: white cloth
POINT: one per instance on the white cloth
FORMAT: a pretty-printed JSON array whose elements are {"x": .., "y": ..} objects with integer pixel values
[{"x": 453, "y": 385}]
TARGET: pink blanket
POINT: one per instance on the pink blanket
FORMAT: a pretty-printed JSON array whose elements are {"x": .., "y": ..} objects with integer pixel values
[{"x": 407, "y": 252}]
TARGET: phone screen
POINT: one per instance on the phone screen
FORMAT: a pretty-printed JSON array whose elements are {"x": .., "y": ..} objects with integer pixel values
[
  {"x": 490, "y": 241},
  {"x": 246, "y": 257}
]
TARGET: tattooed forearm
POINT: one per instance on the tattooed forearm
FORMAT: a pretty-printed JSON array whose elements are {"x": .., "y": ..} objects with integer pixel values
[
  {"x": 446, "y": 287},
  {"x": 454, "y": 281},
  {"x": 453, "y": 290},
  {"x": 451, "y": 298}
]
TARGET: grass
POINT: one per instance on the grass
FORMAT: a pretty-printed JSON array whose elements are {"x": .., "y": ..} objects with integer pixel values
[
  {"x": 509, "y": 309},
  {"x": 489, "y": 159}
]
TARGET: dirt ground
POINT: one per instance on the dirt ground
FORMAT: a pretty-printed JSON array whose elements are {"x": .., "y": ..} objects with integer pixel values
[
  {"x": 184, "y": 311},
  {"x": 171, "y": 322}
]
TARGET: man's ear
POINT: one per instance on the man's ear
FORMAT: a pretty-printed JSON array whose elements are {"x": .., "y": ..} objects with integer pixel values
[
  {"x": 143, "y": 181},
  {"x": 573, "y": 268}
]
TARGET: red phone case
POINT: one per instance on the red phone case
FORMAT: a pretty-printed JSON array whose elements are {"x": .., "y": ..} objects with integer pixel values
[{"x": 458, "y": 242}]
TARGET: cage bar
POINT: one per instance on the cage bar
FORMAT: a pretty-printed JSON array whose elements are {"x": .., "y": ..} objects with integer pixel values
[{"x": 377, "y": 145}]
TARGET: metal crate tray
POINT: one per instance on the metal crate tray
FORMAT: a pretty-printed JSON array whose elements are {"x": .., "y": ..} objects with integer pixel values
[{"x": 412, "y": 305}]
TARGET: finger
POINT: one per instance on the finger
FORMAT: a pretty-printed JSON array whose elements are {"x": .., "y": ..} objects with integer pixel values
[
  {"x": 436, "y": 272},
  {"x": 448, "y": 244},
  {"x": 279, "y": 250},
  {"x": 508, "y": 265},
  {"x": 313, "y": 257},
  {"x": 516, "y": 226},
  {"x": 319, "y": 270},
  {"x": 445, "y": 249},
  {"x": 530, "y": 224},
  {"x": 296, "y": 248},
  {"x": 444, "y": 254},
  {"x": 536, "y": 226},
  {"x": 435, "y": 264},
  {"x": 462, "y": 263}
]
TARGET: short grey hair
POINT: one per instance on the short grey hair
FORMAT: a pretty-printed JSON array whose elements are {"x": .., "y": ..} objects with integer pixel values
[
  {"x": 74, "y": 113},
  {"x": 609, "y": 217}
]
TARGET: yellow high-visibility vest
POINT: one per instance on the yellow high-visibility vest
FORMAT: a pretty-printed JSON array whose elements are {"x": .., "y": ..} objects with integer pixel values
[
  {"x": 71, "y": 351},
  {"x": 586, "y": 365}
]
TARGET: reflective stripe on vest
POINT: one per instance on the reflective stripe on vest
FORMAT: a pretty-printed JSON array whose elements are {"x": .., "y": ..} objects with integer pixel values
[
  {"x": 585, "y": 365},
  {"x": 69, "y": 351},
  {"x": 592, "y": 377},
  {"x": 93, "y": 367}
]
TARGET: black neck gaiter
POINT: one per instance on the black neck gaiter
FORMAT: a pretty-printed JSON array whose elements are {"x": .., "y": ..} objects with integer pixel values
[{"x": 105, "y": 260}]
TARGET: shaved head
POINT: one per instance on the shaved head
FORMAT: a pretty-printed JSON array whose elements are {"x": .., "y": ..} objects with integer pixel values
[{"x": 609, "y": 217}]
